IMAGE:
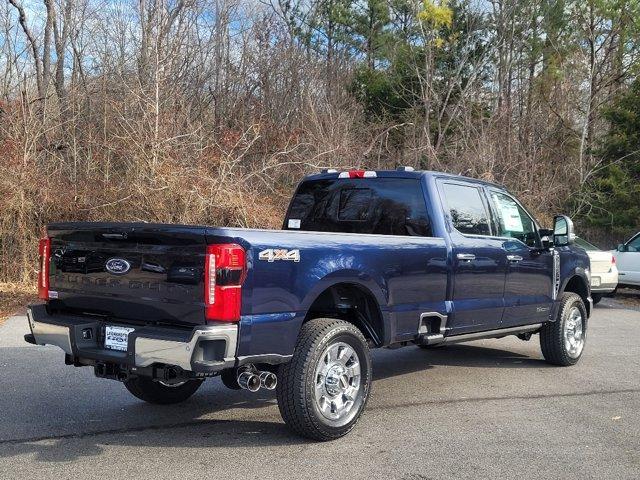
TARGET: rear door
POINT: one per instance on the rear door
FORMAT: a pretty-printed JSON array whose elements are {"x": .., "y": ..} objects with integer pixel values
[
  {"x": 528, "y": 287},
  {"x": 479, "y": 260}
]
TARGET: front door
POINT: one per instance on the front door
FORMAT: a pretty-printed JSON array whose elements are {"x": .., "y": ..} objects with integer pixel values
[
  {"x": 528, "y": 293},
  {"x": 628, "y": 262},
  {"x": 479, "y": 262}
]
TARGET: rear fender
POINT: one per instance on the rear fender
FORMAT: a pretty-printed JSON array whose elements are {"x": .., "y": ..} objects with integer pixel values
[{"x": 361, "y": 280}]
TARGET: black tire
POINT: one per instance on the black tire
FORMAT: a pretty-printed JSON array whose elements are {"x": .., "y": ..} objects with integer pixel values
[
  {"x": 229, "y": 378},
  {"x": 596, "y": 297},
  {"x": 552, "y": 334},
  {"x": 296, "y": 382},
  {"x": 155, "y": 392}
]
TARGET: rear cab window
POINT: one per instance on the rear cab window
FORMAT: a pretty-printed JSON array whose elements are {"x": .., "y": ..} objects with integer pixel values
[{"x": 383, "y": 206}]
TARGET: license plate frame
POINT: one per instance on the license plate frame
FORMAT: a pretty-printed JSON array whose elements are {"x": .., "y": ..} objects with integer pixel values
[{"x": 116, "y": 337}]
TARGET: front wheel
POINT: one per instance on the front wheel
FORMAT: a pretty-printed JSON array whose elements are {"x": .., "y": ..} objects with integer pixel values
[
  {"x": 162, "y": 393},
  {"x": 323, "y": 390},
  {"x": 563, "y": 341}
]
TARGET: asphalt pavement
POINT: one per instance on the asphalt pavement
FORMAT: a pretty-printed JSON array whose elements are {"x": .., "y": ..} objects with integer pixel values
[{"x": 487, "y": 409}]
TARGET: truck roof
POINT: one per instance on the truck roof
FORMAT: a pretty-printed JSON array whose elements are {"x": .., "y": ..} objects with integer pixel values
[{"x": 401, "y": 173}]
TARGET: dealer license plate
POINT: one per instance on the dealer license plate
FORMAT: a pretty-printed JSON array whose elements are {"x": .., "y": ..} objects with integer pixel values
[
  {"x": 117, "y": 338},
  {"x": 595, "y": 281}
]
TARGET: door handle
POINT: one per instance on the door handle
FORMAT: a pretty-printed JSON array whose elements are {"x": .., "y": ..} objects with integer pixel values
[
  {"x": 466, "y": 257},
  {"x": 514, "y": 258}
]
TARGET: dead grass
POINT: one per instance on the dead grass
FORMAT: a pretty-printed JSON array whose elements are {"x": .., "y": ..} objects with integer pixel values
[{"x": 14, "y": 297}]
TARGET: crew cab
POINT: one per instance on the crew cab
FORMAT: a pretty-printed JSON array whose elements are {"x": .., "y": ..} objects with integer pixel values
[{"x": 364, "y": 260}]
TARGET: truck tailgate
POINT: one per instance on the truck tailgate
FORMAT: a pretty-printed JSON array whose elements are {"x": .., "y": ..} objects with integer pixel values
[{"x": 136, "y": 272}]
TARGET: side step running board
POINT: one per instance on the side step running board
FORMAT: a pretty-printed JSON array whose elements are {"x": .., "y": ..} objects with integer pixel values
[
  {"x": 433, "y": 329},
  {"x": 501, "y": 332}
]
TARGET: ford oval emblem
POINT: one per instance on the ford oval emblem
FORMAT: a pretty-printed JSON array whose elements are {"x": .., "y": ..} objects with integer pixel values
[{"x": 117, "y": 266}]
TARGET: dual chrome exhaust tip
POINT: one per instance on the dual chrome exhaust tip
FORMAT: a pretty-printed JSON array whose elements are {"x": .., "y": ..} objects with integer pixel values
[{"x": 254, "y": 381}]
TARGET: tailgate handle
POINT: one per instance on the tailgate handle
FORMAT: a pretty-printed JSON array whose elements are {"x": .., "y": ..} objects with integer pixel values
[{"x": 115, "y": 236}]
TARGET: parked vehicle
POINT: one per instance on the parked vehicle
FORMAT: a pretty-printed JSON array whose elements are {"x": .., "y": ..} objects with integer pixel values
[
  {"x": 604, "y": 274},
  {"x": 365, "y": 260},
  {"x": 627, "y": 258}
]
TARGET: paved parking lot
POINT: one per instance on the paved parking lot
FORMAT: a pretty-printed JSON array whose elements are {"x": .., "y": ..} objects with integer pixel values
[{"x": 488, "y": 409}]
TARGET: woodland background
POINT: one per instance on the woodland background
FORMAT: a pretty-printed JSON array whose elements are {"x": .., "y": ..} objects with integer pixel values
[{"x": 210, "y": 111}]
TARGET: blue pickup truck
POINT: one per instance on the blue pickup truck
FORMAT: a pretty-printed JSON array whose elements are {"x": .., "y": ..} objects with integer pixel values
[{"x": 365, "y": 259}]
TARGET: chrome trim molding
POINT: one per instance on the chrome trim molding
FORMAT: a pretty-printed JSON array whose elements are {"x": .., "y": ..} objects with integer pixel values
[
  {"x": 501, "y": 332},
  {"x": 556, "y": 274},
  {"x": 49, "y": 334},
  {"x": 151, "y": 350}
]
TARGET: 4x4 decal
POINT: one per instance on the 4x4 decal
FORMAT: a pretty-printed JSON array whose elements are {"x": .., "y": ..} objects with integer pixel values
[{"x": 273, "y": 254}]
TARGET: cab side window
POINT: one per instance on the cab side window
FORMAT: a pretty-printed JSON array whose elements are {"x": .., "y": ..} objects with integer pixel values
[
  {"x": 634, "y": 245},
  {"x": 467, "y": 209},
  {"x": 513, "y": 221}
]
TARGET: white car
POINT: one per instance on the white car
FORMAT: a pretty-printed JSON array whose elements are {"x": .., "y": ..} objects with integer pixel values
[
  {"x": 628, "y": 260},
  {"x": 604, "y": 274}
]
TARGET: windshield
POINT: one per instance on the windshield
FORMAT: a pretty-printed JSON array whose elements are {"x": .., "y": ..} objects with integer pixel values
[{"x": 584, "y": 244}]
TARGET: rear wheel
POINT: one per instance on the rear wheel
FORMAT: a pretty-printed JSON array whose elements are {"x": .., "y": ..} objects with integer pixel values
[
  {"x": 323, "y": 390},
  {"x": 161, "y": 393},
  {"x": 563, "y": 341}
]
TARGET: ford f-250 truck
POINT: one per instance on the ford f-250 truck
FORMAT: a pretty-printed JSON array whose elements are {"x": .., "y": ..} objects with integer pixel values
[{"x": 365, "y": 259}]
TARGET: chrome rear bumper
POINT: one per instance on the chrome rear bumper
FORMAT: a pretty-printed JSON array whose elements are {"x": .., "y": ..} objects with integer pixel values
[{"x": 204, "y": 349}]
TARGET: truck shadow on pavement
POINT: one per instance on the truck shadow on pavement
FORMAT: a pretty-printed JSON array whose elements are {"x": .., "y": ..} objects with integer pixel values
[
  {"x": 173, "y": 426},
  {"x": 391, "y": 363},
  {"x": 202, "y": 433},
  {"x": 139, "y": 425}
]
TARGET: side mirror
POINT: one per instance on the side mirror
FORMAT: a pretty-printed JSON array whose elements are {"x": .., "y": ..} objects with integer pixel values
[
  {"x": 546, "y": 238},
  {"x": 622, "y": 247},
  {"x": 563, "y": 231}
]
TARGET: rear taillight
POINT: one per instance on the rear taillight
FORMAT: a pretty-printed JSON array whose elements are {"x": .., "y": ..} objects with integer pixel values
[
  {"x": 225, "y": 270},
  {"x": 613, "y": 260},
  {"x": 44, "y": 252}
]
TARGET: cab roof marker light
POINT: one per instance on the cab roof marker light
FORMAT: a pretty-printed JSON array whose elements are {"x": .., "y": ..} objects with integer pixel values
[
  {"x": 358, "y": 174},
  {"x": 329, "y": 170}
]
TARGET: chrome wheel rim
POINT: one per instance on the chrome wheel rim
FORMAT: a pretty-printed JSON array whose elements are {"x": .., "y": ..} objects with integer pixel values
[
  {"x": 574, "y": 333},
  {"x": 337, "y": 384}
]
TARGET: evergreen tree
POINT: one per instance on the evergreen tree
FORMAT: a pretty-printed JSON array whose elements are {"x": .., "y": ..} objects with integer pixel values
[{"x": 616, "y": 186}]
